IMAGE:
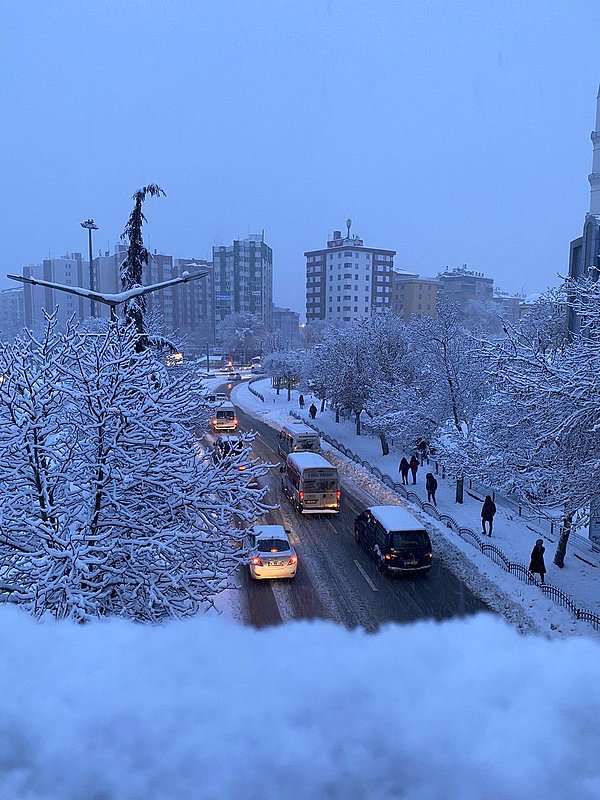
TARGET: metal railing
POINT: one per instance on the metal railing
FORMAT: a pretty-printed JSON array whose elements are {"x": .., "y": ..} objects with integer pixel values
[
  {"x": 492, "y": 551},
  {"x": 254, "y": 392}
]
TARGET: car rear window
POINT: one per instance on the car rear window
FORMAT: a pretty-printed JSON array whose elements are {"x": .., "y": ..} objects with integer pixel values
[
  {"x": 272, "y": 545},
  {"x": 225, "y": 414},
  {"x": 405, "y": 539}
]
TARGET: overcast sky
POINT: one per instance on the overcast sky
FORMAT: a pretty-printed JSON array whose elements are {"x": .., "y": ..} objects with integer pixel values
[{"x": 451, "y": 131}]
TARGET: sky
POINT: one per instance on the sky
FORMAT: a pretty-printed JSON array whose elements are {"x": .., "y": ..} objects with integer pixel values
[{"x": 453, "y": 131}]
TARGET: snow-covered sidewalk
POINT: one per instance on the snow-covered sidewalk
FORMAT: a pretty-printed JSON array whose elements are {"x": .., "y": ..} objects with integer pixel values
[{"x": 580, "y": 578}]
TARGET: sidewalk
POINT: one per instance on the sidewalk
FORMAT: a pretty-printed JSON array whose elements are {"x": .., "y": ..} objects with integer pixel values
[{"x": 515, "y": 536}]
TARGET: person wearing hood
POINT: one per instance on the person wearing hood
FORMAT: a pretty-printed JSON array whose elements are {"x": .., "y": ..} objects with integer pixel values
[
  {"x": 487, "y": 514},
  {"x": 403, "y": 470}
]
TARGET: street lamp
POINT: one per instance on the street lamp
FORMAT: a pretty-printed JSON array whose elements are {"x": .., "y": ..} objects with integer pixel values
[{"x": 91, "y": 226}]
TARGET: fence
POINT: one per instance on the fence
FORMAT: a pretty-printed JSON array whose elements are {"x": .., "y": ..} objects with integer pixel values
[
  {"x": 254, "y": 392},
  {"x": 490, "y": 550}
]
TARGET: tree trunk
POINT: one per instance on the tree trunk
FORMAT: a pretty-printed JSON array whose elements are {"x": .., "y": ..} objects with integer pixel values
[
  {"x": 385, "y": 448},
  {"x": 289, "y": 388},
  {"x": 561, "y": 547},
  {"x": 322, "y": 405},
  {"x": 337, "y": 413},
  {"x": 357, "y": 418},
  {"x": 460, "y": 489}
]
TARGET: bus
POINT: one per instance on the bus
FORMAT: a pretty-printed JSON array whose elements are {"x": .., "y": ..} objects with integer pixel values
[
  {"x": 224, "y": 419},
  {"x": 297, "y": 437},
  {"x": 311, "y": 484}
]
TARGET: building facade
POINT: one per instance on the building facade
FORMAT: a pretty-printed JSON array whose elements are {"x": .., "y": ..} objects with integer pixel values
[
  {"x": 287, "y": 323},
  {"x": 69, "y": 270},
  {"x": 243, "y": 278},
  {"x": 346, "y": 280},
  {"x": 463, "y": 286},
  {"x": 12, "y": 313},
  {"x": 584, "y": 252},
  {"x": 413, "y": 295}
]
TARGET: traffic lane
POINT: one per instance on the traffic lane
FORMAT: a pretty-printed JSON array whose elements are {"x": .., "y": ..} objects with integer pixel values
[{"x": 334, "y": 558}]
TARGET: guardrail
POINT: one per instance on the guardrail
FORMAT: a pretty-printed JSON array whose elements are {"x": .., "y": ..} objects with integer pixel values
[
  {"x": 492, "y": 551},
  {"x": 254, "y": 392}
]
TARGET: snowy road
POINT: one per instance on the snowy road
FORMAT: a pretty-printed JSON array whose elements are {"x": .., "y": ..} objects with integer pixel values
[{"x": 336, "y": 580}]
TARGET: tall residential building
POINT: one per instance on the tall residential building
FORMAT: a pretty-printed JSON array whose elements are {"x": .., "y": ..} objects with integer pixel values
[
  {"x": 413, "y": 295},
  {"x": 11, "y": 313},
  {"x": 346, "y": 280},
  {"x": 69, "y": 270},
  {"x": 287, "y": 322},
  {"x": 462, "y": 285},
  {"x": 584, "y": 252},
  {"x": 243, "y": 274}
]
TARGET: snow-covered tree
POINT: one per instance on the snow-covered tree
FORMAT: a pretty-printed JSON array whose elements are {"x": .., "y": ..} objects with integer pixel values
[
  {"x": 241, "y": 334},
  {"x": 108, "y": 504},
  {"x": 284, "y": 366},
  {"x": 132, "y": 267}
]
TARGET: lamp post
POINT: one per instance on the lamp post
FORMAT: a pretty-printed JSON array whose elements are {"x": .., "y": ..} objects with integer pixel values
[{"x": 91, "y": 226}]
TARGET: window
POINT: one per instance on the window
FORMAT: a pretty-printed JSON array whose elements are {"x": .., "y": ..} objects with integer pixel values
[
  {"x": 347, "y": 265},
  {"x": 355, "y": 309},
  {"x": 356, "y": 277}
]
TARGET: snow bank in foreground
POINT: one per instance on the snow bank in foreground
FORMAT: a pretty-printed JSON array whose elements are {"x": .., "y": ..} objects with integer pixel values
[{"x": 209, "y": 709}]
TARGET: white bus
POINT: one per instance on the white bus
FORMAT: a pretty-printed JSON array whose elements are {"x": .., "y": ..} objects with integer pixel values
[
  {"x": 311, "y": 484},
  {"x": 224, "y": 418},
  {"x": 297, "y": 437}
]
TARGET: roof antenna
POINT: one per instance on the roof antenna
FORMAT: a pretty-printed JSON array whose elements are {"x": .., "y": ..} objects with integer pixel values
[{"x": 348, "y": 225}]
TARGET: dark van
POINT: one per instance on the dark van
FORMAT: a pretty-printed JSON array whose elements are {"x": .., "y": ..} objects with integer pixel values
[{"x": 396, "y": 539}]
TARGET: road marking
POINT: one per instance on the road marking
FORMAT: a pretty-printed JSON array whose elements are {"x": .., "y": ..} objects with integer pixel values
[{"x": 365, "y": 576}]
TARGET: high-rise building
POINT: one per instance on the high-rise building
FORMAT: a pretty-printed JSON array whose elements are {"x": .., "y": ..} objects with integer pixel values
[
  {"x": 243, "y": 275},
  {"x": 11, "y": 313},
  {"x": 584, "y": 252},
  {"x": 413, "y": 295},
  {"x": 462, "y": 286},
  {"x": 69, "y": 270},
  {"x": 346, "y": 280},
  {"x": 287, "y": 322}
]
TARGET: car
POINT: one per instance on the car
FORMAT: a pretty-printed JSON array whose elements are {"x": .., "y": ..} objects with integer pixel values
[
  {"x": 396, "y": 540},
  {"x": 271, "y": 553},
  {"x": 234, "y": 376}
]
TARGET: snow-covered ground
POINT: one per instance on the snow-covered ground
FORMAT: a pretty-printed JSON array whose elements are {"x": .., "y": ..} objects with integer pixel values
[
  {"x": 208, "y": 709},
  {"x": 580, "y": 578}
]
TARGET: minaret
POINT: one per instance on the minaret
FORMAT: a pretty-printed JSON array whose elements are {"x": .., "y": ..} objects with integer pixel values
[{"x": 594, "y": 178}]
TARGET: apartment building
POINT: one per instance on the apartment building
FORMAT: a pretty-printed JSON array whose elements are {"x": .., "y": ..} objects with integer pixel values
[
  {"x": 243, "y": 277},
  {"x": 462, "y": 286},
  {"x": 12, "y": 313},
  {"x": 413, "y": 295}
]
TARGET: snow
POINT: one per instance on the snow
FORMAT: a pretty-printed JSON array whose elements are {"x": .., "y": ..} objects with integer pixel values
[
  {"x": 309, "y": 461},
  {"x": 395, "y": 518},
  {"x": 195, "y": 710},
  {"x": 514, "y": 535}
]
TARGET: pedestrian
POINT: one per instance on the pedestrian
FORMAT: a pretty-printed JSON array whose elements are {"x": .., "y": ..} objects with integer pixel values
[
  {"x": 301, "y": 401},
  {"x": 536, "y": 565},
  {"x": 403, "y": 470},
  {"x": 487, "y": 513},
  {"x": 414, "y": 466},
  {"x": 312, "y": 411},
  {"x": 431, "y": 486}
]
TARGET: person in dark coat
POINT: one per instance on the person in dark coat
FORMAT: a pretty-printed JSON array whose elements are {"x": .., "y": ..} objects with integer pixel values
[
  {"x": 536, "y": 565},
  {"x": 487, "y": 513},
  {"x": 431, "y": 486},
  {"x": 414, "y": 466},
  {"x": 301, "y": 401},
  {"x": 312, "y": 411},
  {"x": 403, "y": 470}
]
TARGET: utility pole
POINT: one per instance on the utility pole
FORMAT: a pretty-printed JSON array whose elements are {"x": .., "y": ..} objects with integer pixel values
[{"x": 91, "y": 226}]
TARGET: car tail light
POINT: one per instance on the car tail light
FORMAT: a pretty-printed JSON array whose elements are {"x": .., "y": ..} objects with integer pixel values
[
  {"x": 339, "y": 494},
  {"x": 388, "y": 557},
  {"x": 293, "y": 560},
  {"x": 235, "y": 422},
  {"x": 214, "y": 422},
  {"x": 428, "y": 555},
  {"x": 301, "y": 495},
  {"x": 256, "y": 561}
]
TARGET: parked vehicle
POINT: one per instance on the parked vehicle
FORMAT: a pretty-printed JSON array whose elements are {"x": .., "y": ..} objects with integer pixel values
[
  {"x": 311, "y": 484},
  {"x": 224, "y": 418},
  {"x": 297, "y": 437},
  {"x": 396, "y": 539}
]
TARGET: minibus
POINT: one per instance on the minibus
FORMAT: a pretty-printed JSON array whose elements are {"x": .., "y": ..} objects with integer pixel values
[
  {"x": 224, "y": 418},
  {"x": 297, "y": 437},
  {"x": 311, "y": 484},
  {"x": 397, "y": 541}
]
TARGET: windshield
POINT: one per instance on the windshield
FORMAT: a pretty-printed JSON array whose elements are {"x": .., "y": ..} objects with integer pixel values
[
  {"x": 225, "y": 414},
  {"x": 307, "y": 443},
  {"x": 405, "y": 540},
  {"x": 272, "y": 546}
]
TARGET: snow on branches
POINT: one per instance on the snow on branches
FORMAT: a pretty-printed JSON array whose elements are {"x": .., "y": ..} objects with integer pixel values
[{"x": 109, "y": 504}]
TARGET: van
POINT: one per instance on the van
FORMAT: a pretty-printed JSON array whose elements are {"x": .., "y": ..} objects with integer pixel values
[
  {"x": 224, "y": 418},
  {"x": 311, "y": 484},
  {"x": 297, "y": 437},
  {"x": 397, "y": 540}
]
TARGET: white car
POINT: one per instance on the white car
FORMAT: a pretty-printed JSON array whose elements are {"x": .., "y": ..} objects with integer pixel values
[{"x": 271, "y": 553}]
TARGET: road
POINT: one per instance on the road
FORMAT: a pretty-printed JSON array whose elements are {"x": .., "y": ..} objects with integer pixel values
[{"x": 336, "y": 579}]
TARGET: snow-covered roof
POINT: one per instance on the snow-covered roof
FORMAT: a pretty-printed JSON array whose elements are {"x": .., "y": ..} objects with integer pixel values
[
  {"x": 270, "y": 532},
  {"x": 299, "y": 429},
  {"x": 395, "y": 518},
  {"x": 309, "y": 461}
]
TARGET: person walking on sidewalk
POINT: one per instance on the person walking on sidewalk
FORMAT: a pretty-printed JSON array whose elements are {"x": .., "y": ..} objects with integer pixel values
[
  {"x": 536, "y": 565},
  {"x": 487, "y": 514},
  {"x": 414, "y": 466},
  {"x": 403, "y": 470},
  {"x": 431, "y": 486},
  {"x": 301, "y": 401},
  {"x": 312, "y": 411}
]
